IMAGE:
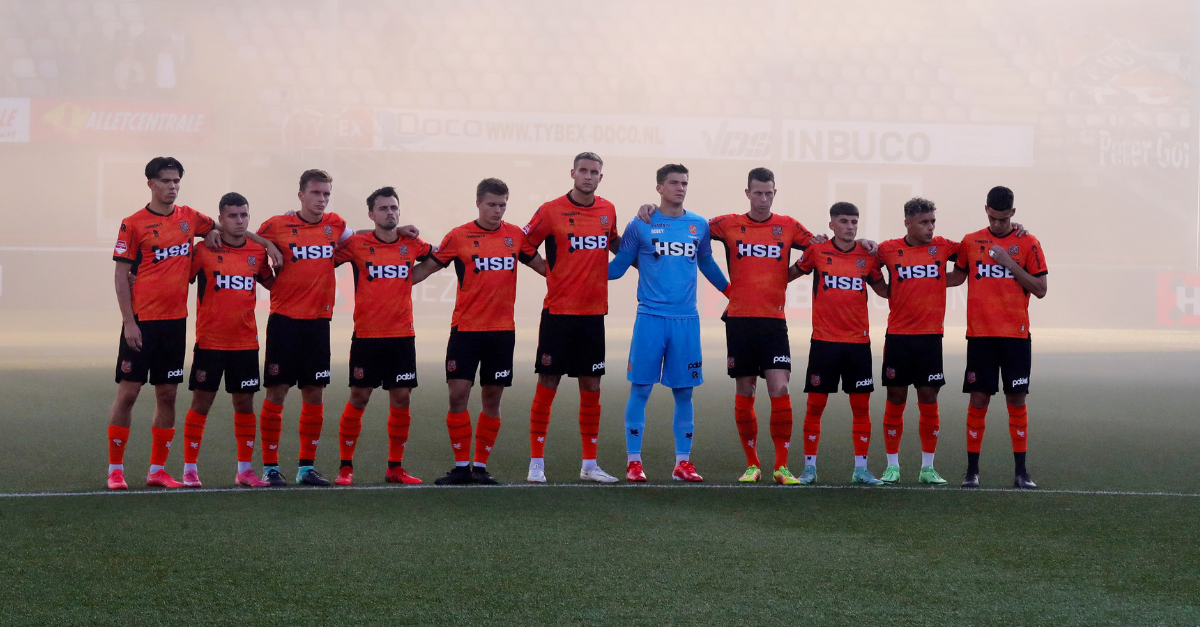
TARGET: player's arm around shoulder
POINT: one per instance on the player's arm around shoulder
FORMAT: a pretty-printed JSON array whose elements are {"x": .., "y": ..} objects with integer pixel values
[
  {"x": 438, "y": 257},
  {"x": 627, "y": 252}
]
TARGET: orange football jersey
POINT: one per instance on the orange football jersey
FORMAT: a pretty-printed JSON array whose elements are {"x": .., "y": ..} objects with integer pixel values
[
  {"x": 758, "y": 254},
  {"x": 917, "y": 276},
  {"x": 486, "y": 263},
  {"x": 840, "y": 283},
  {"x": 997, "y": 306},
  {"x": 382, "y": 283},
  {"x": 304, "y": 285},
  {"x": 160, "y": 251},
  {"x": 576, "y": 238},
  {"x": 225, "y": 295}
]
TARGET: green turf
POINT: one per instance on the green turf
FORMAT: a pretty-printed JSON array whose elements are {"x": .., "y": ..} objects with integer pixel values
[{"x": 623, "y": 555}]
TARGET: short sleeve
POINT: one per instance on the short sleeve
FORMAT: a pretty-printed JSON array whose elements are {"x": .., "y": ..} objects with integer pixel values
[
  {"x": 875, "y": 274},
  {"x": 802, "y": 238},
  {"x": 716, "y": 228},
  {"x": 264, "y": 268},
  {"x": 447, "y": 251},
  {"x": 612, "y": 222},
  {"x": 344, "y": 253},
  {"x": 204, "y": 224},
  {"x": 538, "y": 228},
  {"x": 952, "y": 248},
  {"x": 960, "y": 258},
  {"x": 423, "y": 249},
  {"x": 525, "y": 250},
  {"x": 265, "y": 230},
  {"x": 807, "y": 263},
  {"x": 197, "y": 263},
  {"x": 127, "y": 243},
  {"x": 1035, "y": 259}
]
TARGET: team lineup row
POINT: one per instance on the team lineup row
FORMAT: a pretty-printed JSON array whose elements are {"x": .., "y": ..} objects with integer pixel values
[{"x": 294, "y": 256}]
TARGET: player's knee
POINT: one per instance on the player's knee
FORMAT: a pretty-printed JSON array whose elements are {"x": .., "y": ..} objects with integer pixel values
[
  {"x": 980, "y": 400},
  {"x": 1016, "y": 399},
  {"x": 899, "y": 395},
  {"x": 549, "y": 381},
  {"x": 682, "y": 395},
  {"x": 589, "y": 384},
  {"x": 202, "y": 401},
  {"x": 242, "y": 403},
  {"x": 359, "y": 397},
  {"x": 313, "y": 394},
  {"x": 927, "y": 396},
  {"x": 399, "y": 397},
  {"x": 165, "y": 394}
]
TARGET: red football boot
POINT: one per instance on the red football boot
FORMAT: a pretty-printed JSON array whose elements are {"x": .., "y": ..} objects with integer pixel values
[
  {"x": 685, "y": 471},
  {"x": 400, "y": 475},
  {"x": 635, "y": 473},
  {"x": 116, "y": 480},
  {"x": 345, "y": 475},
  {"x": 161, "y": 479}
]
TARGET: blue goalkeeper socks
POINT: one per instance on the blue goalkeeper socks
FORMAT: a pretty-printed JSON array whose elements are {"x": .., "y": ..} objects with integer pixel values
[
  {"x": 684, "y": 420},
  {"x": 635, "y": 417}
]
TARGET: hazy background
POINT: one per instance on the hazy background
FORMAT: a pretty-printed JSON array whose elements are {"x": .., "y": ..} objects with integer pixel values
[{"x": 1086, "y": 109}]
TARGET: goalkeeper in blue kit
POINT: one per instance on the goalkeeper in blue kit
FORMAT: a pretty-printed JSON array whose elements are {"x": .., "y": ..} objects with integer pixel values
[{"x": 666, "y": 334}]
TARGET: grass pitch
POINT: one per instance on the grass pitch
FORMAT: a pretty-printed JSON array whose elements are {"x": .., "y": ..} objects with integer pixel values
[{"x": 659, "y": 554}]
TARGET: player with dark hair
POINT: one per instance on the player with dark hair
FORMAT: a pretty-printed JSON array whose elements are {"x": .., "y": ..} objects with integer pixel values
[
  {"x": 155, "y": 245},
  {"x": 758, "y": 247},
  {"x": 666, "y": 334},
  {"x": 485, "y": 253},
  {"x": 382, "y": 349},
  {"x": 1002, "y": 270},
  {"x": 841, "y": 342},
  {"x": 226, "y": 337},
  {"x": 578, "y": 230}
]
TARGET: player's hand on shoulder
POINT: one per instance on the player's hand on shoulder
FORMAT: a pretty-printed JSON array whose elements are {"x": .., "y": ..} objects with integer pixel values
[
  {"x": 870, "y": 245},
  {"x": 409, "y": 230},
  {"x": 820, "y": 239},
  {"x": 133, "y": 335},
  {"x": 1020, "y": 229},
  {"x": 645, "y": 211},
  {"x": 213, "y": 239},
  {"x": 291, "y": 213}
]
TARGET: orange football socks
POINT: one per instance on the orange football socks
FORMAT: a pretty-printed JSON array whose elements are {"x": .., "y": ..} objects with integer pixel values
[
  {"x": 161, "y": 445},
  {"x": 893, "y": 427},
  {"x": 485, "y": 438},
  {"x": 397, "y": 429},
  {"x": 459, "y": 426},
  {"x": 747, "y": 426},
  {"x": 928, "y": 427},
  {"x": 539, "y": 420},
  {"x": 118, "y": 437},
  {"x": 781, "y": 428},
  {"x": 243, "y": 432},
  {"x": 589, "y": 423},
  {"x": 193, "y": 435},
  {"x": 271, "y": 427},
  {"x": 349, "y": 428},
  {"x": 312, "y": 417},
  {"x": 976, "y": 419},
  {"x": 812, "y": 422},
  {"x": 1018, "y": 427},
  {"x": 860, "y": 409}
]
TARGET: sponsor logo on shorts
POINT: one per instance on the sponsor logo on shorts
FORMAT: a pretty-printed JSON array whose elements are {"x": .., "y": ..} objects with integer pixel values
[
  {"x": 175, "y": 373},
  {"x": 1021, "y": 381},
  {"x": 500, "y": 374},
  {"x": 126, "y": 367},
  {"x": 695, "y": 364},
  {"x": 273, "y": 369},
  {"x": 599, "y": 366},
  {"x": 201, "y": 375},
  {"x": 121, "y": 247},
  {"x": 249, "y": 383},
  {"x": 324, "y": 374},
  {"x": 864, "y": 383},
  {"x": 781, "y": 359},
  {"x": 891, "y": 373},
  {"x": 815, "y": 379},
  {"x": 729, "y": 363},
  {"x": 406, "y": 376},
  {"x": 970, "y": 377},
  {"x": 451, "y": 365},
  {"x": 936, "y": 377},
  {"x": 358, "y": 373},
  {"x": 546, "y": 359},
  {"x": 695, "y": 374}
]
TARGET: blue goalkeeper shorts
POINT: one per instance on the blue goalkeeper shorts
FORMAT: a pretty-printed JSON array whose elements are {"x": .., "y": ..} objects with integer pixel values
[{"x": 667, "y": 351}]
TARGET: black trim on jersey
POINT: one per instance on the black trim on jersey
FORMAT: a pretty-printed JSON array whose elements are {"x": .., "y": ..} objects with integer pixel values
[
  {"x": 572, "y": 201},
  {"x": 201, "y": 280},
  {"x": 551, "y": 251},
  {"x": 488, "y": 230},
  {"x": 524, "y": 257},
  {"x": 354, "y": 271},
  {"x": 747, "y": 214},
  {"x": 460, "y": 269},
  {"x": 1042, "y": 273},
  {"x": 301, "y": 218},
  {"x": 376, "y": 236}
]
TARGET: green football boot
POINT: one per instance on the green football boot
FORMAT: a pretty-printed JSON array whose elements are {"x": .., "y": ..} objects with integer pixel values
[
  {"x": 864, "y": 476},
  {"x": 752, "y": 475},
  {"x": 891, "y": 475},
  {"x": 783, "y": 476},
  {"x": 930, "y": 476},
  {"x": 809, "y": 476}
]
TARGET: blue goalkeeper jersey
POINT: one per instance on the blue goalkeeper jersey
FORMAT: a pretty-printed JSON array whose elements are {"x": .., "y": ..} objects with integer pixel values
[{"x": 668, "y": 251}]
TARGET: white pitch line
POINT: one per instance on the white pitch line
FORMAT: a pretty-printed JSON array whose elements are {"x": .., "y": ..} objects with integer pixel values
[{"x": 522, "y": 486}]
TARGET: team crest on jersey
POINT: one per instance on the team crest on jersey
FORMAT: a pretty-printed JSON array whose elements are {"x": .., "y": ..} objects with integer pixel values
[
  {"x": 404, "y": 249},
  {"x": 970, "y": 377},
  {"x": 252, "y": 261},
  {"x": 358, "y": 373},
  {"x": 220, "y": 259},
  {"x": 201, "y": 375},
  {"x": 451, "y": 365},
  {"x": 933, "y": 251},
  {"x": 183, "y": 226},
  {"x": 729, "y": 363},
  {"x": 126, "y": 367},
  {"x": 546, "y": 359},
  {"x": 121, "y": 247},
  {"x": 692, "y": 229},
  {"x": 508, "y": 242},
  {"x": 815, "y": 379},
  {"x": 273, "y": 370},
  {"x": 777, "y": 231},
  {"x": 1014, "y": 250},
  {"x": 328, "y": 231},
  {"x": 603, "y": 220},
  {"x": 891, "y": 373},
  {"x": 862, "y": 263}
]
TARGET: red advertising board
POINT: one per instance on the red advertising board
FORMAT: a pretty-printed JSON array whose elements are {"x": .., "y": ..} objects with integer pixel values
[
  {"x": 118, "y": 122},
  {"x": 1178, "y": 298}
]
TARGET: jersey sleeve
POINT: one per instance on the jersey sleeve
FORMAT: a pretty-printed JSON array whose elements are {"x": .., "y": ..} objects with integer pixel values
[
  {"x": 266, "y": 231},
  {"x": 716, "y": 229},
  {"x": 960, "y": 258},
  {"x": 807, "y": 261},
  {"x": 343, "y": 253},
  {"x": 197, "y": 263},
  {"x": 424, "y": 249},
  {"x": 264, "y": 268},
  {"x": 631, "y": 238},
  {"x": 802, "y": 238},
  {"x": 204, "y": 224},
  {"x": 447, "y": 251},
  {"x": 952, "y": 248},
  {"x": 538, "y": 228},
  {"x": 875, "y": 272},
  {"x": 526, "y": 251},
  {"x": 126, "y": 248},
  {"x": 612, "y": 223},
  {"x": 1035, "y": 259},
  {"x": 705, "y": 247}
]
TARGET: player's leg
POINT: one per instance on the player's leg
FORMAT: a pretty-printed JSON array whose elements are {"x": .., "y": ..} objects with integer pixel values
[
  {"x": 550, "y": 366},
  {"x": 820, "y": 380},
  {"x": 132, "y": 371},
  {"x": 586, "y": 363},
  {"x": 279, "y": 375},
  {"x": 313, "y": 357},
  {"x": 858, "y": 382},
  {"x": 462, "y": 360},
  {"x": 244, "y": 427},
  {"x": 208, "y": 368},
  {"x": 495, "y": 374},
  {"x": 775, "y": 360},
  {"x": 743, "y": 368},
  {"x": 399, "y": 388},
  {"x": 981, "y": 382},
  {"x": 1015, "y": 367},
  {"x": 164, "y": 344},
  {"x": 367, "y": 372},
  {"x": 683, "y": 370},
  {"x": 929, "y": 379},
  {"x": 896, "y": 374},
  {"x": 646, "y": 352}
]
